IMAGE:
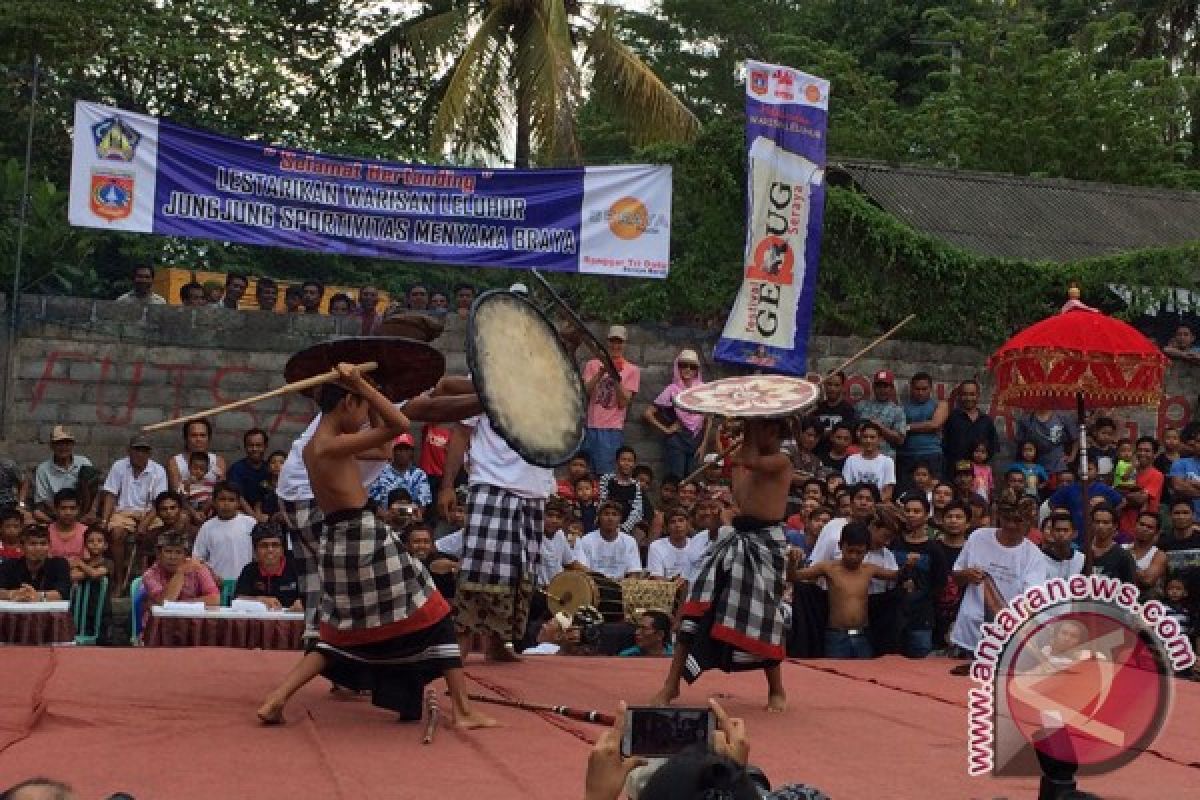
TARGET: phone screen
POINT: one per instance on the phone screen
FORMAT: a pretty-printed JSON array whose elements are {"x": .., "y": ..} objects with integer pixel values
[{"x": 655, "y": 731}]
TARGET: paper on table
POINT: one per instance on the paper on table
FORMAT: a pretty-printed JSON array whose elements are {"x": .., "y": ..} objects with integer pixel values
[
  {"x": 33, "y": 608},
  {"x": 249, "y": 606},
  {"x": 175, "y": 605}
]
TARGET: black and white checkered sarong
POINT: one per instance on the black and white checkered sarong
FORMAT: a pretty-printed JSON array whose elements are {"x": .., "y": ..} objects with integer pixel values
[
  {"x": 733, "y": 617},
  {"x": 304, "y": 527},
  {"x": 502, "y": 538}
]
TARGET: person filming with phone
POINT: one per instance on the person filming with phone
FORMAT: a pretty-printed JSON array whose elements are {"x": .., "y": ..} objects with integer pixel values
[{"x": 633, "y": 757}]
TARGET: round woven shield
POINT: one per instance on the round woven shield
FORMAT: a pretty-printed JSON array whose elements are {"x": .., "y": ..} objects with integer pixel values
[
  {"x": 750, "y": 396},
  {"x": 406, "y": 368}
]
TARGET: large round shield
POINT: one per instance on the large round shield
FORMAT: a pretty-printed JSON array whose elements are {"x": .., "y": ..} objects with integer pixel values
[
  {"x": 406, "y": 368},
  {"x": 527, "y": 383},
  {"x": 751, "y": 396}
]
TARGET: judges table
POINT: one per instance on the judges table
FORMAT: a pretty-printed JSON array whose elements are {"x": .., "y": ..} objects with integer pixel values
[
  {"x": 224, "y": 627},
  {"x": 36, "y": 623}
]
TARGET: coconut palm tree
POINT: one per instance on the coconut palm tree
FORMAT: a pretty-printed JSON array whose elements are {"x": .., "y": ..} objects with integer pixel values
[{"x": 514, "y": 69}]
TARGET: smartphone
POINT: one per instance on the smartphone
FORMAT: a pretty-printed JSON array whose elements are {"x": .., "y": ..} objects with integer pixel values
[{"x": 662, "y": 731}]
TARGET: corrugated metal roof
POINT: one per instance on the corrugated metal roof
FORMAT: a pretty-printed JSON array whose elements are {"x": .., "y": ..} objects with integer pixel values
[{"x": 1036, "y": 219}]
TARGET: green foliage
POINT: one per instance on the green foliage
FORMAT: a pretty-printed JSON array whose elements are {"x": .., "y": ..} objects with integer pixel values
[{"x": 54, "y": 257}]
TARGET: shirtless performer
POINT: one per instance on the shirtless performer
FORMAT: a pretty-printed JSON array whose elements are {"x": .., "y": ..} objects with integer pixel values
[
  {"x": 404, "y": 636},
  {"x": 733, "y": 619}
]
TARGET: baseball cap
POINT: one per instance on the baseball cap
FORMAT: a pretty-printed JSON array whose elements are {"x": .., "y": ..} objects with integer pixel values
[
  {"x": 617, "y": 332},
  {"x": 404, "y": 439},
  {"x": 61, "y": 434},
  {"x": 962, "y": 466},
  {"x": 688, "y": 357},
  {"x": 519, "y": 288},
  {"x": 140, "y": 442},
  {"x": 885, "y": 376}
]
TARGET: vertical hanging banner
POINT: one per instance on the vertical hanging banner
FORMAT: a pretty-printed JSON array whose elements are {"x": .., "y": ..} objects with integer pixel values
[
  {"x": 786, "y": 120},
  {"x": 132, "y": 172}
]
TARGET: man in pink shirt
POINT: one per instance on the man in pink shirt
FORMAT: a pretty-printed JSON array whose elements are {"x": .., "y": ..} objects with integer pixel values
[
  {"x": 177, "y": 578},
  {"x": 608, "y": 403}
]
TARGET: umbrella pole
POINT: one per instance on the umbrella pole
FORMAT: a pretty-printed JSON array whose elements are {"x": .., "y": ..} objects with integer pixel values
[{"x": 1086, "y": 517}]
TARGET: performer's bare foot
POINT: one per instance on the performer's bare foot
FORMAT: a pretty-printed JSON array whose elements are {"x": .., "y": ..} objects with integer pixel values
[
  {"x": 271, "y": 711},
  {"x": 664, "y": 696},
  {"x": 504, "y": 653},
  {"x": 777, "y": 702},
  {"x": 470, "y": 720}
]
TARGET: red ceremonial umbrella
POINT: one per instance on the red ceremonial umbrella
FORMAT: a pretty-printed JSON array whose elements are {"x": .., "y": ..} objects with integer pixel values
[{"x": 1079, "y": 356}]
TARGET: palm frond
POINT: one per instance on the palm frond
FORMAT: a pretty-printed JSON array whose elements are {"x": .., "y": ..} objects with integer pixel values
[
  {"x": 651, "y": 110},
  {"x": 544, "y": 69},
  {"x": 470, "y": 114}
]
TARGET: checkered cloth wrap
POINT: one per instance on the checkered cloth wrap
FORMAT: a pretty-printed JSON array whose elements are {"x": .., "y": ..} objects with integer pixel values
[
  {"x": 502, "y": 539},
  {"x": 304, "y": 527},
  {"x": 733, "y": 616},
  {"x": 368, "y": 578}
]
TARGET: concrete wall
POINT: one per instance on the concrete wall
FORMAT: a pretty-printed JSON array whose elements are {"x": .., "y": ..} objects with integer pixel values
[{"x": 105, "y": 369}]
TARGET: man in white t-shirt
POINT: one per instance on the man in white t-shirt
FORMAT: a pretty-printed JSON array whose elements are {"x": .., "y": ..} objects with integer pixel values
[
  {"x": 706, "y": 521},
  {"x": 995, "y": 565},
  {"x": 668, "y": 557},
  {"x": 224, "y": 542},
  {"x": 870, "y": 465},
  {"x": 503, "y": 536},
  {"x": 556, "y": 553},
  {"x": 451, "y": 400},
  {"x": 608, "y": 551},
  {"x": 1062, "y": 560}
]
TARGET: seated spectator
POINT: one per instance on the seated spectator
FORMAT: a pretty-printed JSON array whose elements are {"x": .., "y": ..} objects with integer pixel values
[
  {"x": 400, "y": 511},
  {"x": 1015, "y": 479},
  {"x": 224, "y": 541},
  {"x": 60, "y": 471},
  {"x": 293, "y": 300},
  {"x": 871, "y": 465},
  {"x": 607, "y": 550},
  {"x": 1033, "y": 473},
  {"x": 556, "y": 552},
  {"x": 1144, "y": 490},
  {"x": 368, "y": 310},
  {"x": 271, "y": 578},
  {"x": 669, "y": 557},
  {"x": 267, "y": 508},
  {"x": 67, "y": 532},
  {"x": 585, "y": 501},
  {"x": 849, "y": 579},
  {"x": 652, "y": 517},
  {"x": 577, "y": 468},
  {"x": 266, "y": 294},
  {"x": 1108, "y": 557},
  {"x": 95, "y": 563},
  {"x": 464, "y": 296},
  {"x": 37, "y": 576},
  {"x": 11, "y": 526},
  {"x": 142, "y": 291},
  {"x": 169, "y": 511},
  {"x": 311, "y": 293},
  {"x": 1149, "y": 561},
  {"x": 983, "y": 479},
  {"x": 443, "y": 567},
  {"x": 840, "y": 447},
  {"x": 340, "y": 305},
  {"x": 191, "y": 295},
  {"x": 623, "y": 489},
  {"x": 683, "y": 432},
  {"x": 439, "y": 303},
  {"x": 1062, "y": 560},
  {"x": 197, "y": 436},
  {"x": 214, "y": 292},
  {"x": 175, "y": 578},
  {"x": 251, "y": 475},
  {"x": 653, "y": 636},
  {"x": 401, "y": 474},
  {"x": 127, "y": 502},
  {"x": 235, "y": 289},
  {"x": 1070, "y": 497},
  {"x": 418, "y": 298},
  {"x": 14, "y": 487}
]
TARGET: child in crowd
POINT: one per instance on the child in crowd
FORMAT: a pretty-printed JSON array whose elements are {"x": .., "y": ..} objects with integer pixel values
[
  {"x": 1175, "y": 599},
  {"x": 1125, "y": 473},
  {"x": 983, "y": 481},
  {"x": 956, "y": 520},
  {"x": 223, "y": 542},
  {"x": 196, "y": 488},
  {"x": 66, "y": 531},
  {"x": 11, "y": 524},
  {"x": 1105, "y": 448},
  {"x": 840, "y": 441},
  {"x": 266, "y": 508},
  {"x": 95, "y": 562},
  {"x": 577, "y": 468},
  {"x": 1027, "y": 463},
  {"x": 849, "y": 579},
  {"x": 585, "y": 500}
]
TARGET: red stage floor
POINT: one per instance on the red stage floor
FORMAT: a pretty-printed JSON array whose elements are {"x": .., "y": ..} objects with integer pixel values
[{"x": 179, "y": 724}]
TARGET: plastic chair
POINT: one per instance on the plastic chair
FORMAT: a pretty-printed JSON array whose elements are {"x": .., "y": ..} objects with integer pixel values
[
  {"x": 228, "y": 587},
  {"x": 137, "y": 598},
  {"x": 81, "y": 596}
]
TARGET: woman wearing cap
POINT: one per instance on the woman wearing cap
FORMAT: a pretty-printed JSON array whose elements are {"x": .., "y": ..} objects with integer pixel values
[{"x": 683, "y": 431}]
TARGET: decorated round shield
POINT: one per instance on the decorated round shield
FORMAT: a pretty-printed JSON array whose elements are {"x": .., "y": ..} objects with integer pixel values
[
  {"x": 406, "y": 368},
  {"x": 750, "y": 396},
  {"x": 527, "y": 383}
]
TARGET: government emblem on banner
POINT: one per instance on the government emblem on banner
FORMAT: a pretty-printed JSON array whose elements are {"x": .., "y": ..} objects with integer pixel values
[
  {"x": 112, "y": 194},
  {"x": 115, "y": 140},
  {"x": 759, "y": 80}
]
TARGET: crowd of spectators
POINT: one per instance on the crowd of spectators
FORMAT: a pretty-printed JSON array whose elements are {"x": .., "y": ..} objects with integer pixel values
[
  {"x": 307, "y": 297},
  {"x": 905, "y": 515}
]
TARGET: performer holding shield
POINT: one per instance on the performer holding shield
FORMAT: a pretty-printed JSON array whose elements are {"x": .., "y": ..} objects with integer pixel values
[
  {"x": 733, "y": 618},
  {"x": 384, "y": 625}
]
